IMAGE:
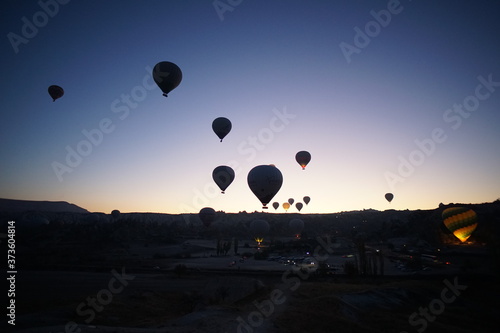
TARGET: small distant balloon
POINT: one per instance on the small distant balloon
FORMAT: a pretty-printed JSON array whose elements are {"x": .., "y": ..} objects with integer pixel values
[
  {"x": 306, "y": 199},
  {"x": 276, "y": 205},
  {"x": 259, "y": 228},
  {"x": 299, "y": 206},
  {"x": 223, "y": 176},
  {"x": 291, "y": 201},
  {"x": 303, "y": 158},
  {"x": 207, "y": 216},
  {"x": 389, "y": 196},
  {"x": 461, "y": 221},
  {"x": 286, "y": 206},
  {"x": 115, "y": 213},
  {"x": 296, "y": 226},
  {"x": 221, "y": 126},
  {"x": 265, "y": 181},
  {"x": 55, "y": 92},
  {"x": 167, "y": 76}
]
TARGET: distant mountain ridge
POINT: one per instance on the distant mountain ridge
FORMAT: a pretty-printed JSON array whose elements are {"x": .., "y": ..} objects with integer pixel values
[{"x": 17, "y": 206}]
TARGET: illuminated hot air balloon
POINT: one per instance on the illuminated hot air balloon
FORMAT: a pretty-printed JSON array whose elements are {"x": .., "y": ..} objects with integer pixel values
[
  {"x": 265, "y": 181},
  {"x": 299, "y": 205},
  {"x": 461, "y": 221},
  {"x": 167, "y": 76},
  {"x": 306, "y": 199},
  {"x": 291, "y": 201},
  {"x": 259, "y": 229},
  {"x": 276, "y": 205},
  {"x": 389, "y": 196},
  {"x": 303, "y": 158},
  {"x": 296, "y": 226},
  {"x": 55, "y": 92},
  {"x": 221, "y": 126},
  {"x": 207, "y": 216},
  {"x": 286, "y": 206},
  {"x": 223, "y": 176}
]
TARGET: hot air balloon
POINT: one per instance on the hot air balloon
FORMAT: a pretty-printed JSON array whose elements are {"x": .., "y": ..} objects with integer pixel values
[
  {"x": 296, "y": 226},
  {"x": 286, "y": 206},
  {"x": 221, "y": 126},
  {"x": 265, "y": 181},
  {"x": 303, "y": 158},
  {"x": 115, "y": 213},
  {"x": 299, "y": 205},
  {"x": 55, "y": 92},
  {"x": 291, "y": 201},
  {"x": 167, "y": 76},
  {"x": 306, "y": 199},
  {"x": 461, "y": 221},
  {"x": 389, "y": 196},
  {"x": 207, "y": 216},
  {"x": 276, "y": 205},
  {"x": 259, "y": 229},
  {"x": 223, "y": 176}
]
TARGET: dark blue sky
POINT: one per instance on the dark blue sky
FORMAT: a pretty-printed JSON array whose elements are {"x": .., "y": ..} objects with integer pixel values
[{"x": 387, "y": 96}]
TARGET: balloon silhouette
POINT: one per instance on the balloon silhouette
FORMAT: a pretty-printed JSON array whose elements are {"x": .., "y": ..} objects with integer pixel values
[
  {"x": 286, "y": 206},
  {"x": 291, "y": 201},
  {"x": 221, "y": 126},
  {"x": 389, "y": 196},
  {"x": 303, "y": 158},
  {"x": 223, "y": 176},
  {"x": 296, "y": 226},
  {"x": 461, "y": 221},
  {"x": 276, "y": 205},
  {"x": 207, "y": 216},
  {"x": 167, "y": 76},
  {"x": 115, "y": 213},
  {"x": 55, "y": 92},
  {"x": 306, "y": 199},
  {"x": 265, "y": 181},
  {"x": 299, "y": 205}
]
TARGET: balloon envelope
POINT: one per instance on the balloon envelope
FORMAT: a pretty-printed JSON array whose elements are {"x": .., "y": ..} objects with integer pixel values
[
  {"x": 306, "y": 199},
  {"x": 265, "y": 181},
  {"x": 286, "y": 205},
  {"x": 207, "y": 216},
  {"x": 291, "y": 201},
  {"x": 167, "y": 76},
  {"x": 389, "y": 196},
  {"x": 303, "y": 158},
  {"x": 115, "y": 213},
  {"x": 259, "y": 228},
  {"x": 461, "y": 221},
  {"x": 296, "y": 226},
  {"x": 276, "y": 205},
  {"x": 55, "y": 92},
  {"x": 299, "y": 205},
  {"x": 221, "y": 126},
  {"x": 223, "y": 176}
]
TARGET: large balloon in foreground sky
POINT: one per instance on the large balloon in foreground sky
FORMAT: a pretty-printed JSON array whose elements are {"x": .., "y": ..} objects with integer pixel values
[
  {"x": 55, "y": 92},
  {"x": 207, "y": 216},
  {"x": 276, "y": 205},
  {"x": 306, "y": 199},
  {"x": 221, "y": 126},
  {"x": 389, "y": 196},
  {"x": 223, "y": 176},
  {"x": 265, "y": 181},
  {"x": 461, "y": 221},
  {"x": 167, "y": 76},
  {"x": 303, "y": 158}
]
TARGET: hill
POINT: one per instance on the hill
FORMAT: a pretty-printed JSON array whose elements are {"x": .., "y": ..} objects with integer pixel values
[{"x": 18, "y": 206}]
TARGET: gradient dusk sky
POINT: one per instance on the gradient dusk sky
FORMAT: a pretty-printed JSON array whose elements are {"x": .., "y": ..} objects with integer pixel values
[{"x": 387, "y": 96}]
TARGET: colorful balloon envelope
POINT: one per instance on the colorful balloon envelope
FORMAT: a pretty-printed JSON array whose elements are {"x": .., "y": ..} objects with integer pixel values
[
  {"x": 303, "y": 158},
  {"x": 389, "y": 196},
  {"x": 306, "y": 200},
  {"x": 207, "y": 216},
  {"x": 167, "y": 76},
  {"x": 221, "y": 126},
  {"x": 223, "y": 176},
  {"x": 461, "y": 221},
  {"x": 55, "y": 92},
  {"x": 265, "y": 181},
  {"x": 286, "y": 206}
]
